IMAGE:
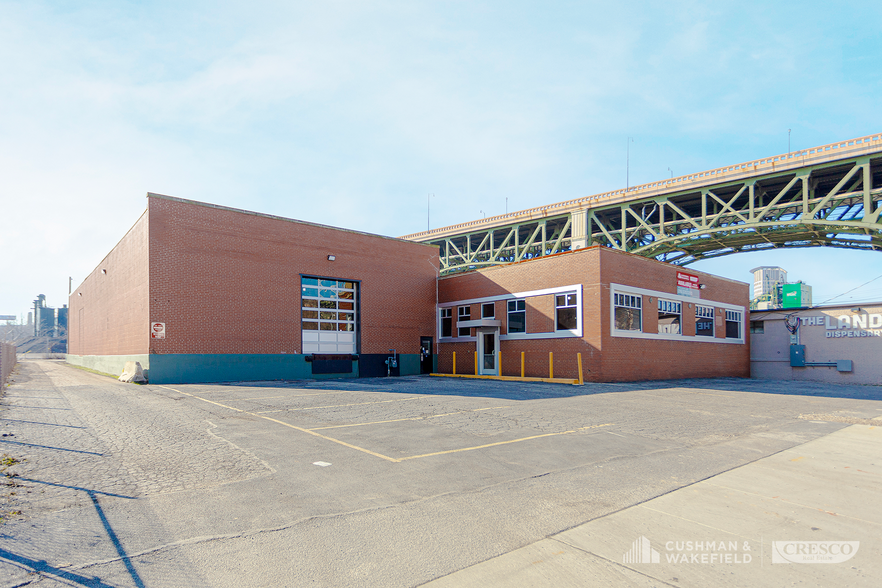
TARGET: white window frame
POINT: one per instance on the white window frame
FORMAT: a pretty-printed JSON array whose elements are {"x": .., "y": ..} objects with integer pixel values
[
  {"x": 441, "y": 317},
  {"x": 736, "y": 317},
  {"x": 632, "y": 301},
  {"x": 508, "y": 313},
  {"x": 576, "y": 306},
  {"x": 577, "y": 332},
  {"x": 459, "y": 318},
  {"x": 672, "y": 307},
  {"x": 654, "y": 294},
  {"x": 705, "y": 312}
]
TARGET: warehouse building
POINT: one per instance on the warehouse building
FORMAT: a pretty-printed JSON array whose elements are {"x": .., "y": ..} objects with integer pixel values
[
  {"x": 838, "y": 344},
  {"x": 201, "y": 293}
]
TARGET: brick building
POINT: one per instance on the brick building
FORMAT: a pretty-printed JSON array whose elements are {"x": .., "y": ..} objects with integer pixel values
[
  {"x": 630, "y": 317},
  {"x": 203, "y": 293}
]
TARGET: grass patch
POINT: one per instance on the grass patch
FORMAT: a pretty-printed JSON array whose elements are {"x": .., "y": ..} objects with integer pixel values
[{"x": 91, "y": 371}]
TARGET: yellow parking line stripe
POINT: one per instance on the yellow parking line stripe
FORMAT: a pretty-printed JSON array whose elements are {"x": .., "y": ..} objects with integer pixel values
[
  {"x": 434, "y": 416},
  {"x": 289, "y": 425},
  {"x": 502, "y": 442},
  {"x": 354, "y": 404}
]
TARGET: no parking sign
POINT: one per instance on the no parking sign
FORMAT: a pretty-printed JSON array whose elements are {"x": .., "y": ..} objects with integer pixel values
[{"x": 157, "y": 330}]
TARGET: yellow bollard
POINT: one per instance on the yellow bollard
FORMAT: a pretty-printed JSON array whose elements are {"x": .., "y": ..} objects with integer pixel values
[
  {"x": 581, "y": 381},
  {"x": 550, "y": 365},
  {"x": 476, "y": 363},
  {"x": 454, "y": 363},
  {"x": 522, "y": 364}
]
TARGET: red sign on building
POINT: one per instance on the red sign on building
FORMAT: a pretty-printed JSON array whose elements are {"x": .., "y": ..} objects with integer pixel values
[{"x": 687, "y": 284}]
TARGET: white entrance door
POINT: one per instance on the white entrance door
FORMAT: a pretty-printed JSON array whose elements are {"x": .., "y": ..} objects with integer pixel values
[{"x": 488, "y": 346}]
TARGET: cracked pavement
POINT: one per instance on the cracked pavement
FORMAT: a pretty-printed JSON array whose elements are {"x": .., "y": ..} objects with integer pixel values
[{"x": 217, "y": 485}]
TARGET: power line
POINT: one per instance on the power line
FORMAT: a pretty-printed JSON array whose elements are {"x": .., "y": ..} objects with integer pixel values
[{"x": 849, "y": 291}]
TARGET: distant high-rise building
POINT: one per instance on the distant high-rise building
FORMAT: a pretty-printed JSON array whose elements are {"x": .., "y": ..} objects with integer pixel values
[{"x": 766, "y": 280}]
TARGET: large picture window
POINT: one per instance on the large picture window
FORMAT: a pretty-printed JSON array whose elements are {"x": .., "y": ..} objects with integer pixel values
[
  {"x": 565, "y": 312},
  {"x": 328, "y": 309},
  {"x": 517, "y": 316},
  {"x": 733, "y": 324},
  {"x": 668, "y": 317},
  {"x": 628, "y": 312},
  {"x": 465, "y": 314},
  {"x": 704, "y": 321}
]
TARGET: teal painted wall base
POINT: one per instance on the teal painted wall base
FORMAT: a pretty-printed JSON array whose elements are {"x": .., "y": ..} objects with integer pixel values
[{"x": 222, "y": 367}]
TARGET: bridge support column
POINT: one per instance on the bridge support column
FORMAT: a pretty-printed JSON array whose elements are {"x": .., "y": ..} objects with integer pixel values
[{"x": 579, "y": 229}]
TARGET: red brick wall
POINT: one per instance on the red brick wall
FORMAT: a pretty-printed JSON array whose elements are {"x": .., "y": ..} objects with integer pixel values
[
  {"x": 227, "y": 281},
  {"x": 109, "y": 312},
  {"x": 549, "y": 272},
  {"x": 627, "y": 359},
  {"x": 540, "y": 314},
  {"x": 604, "y": 358}
]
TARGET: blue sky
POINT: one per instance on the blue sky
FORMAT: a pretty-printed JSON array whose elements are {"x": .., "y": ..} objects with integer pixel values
[{"x": 350, "y": 113}]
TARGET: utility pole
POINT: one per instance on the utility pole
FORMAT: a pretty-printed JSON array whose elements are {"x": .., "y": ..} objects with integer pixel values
[
  {"x": 428, "y": 211},
  {"x": 628, "y": 165}
]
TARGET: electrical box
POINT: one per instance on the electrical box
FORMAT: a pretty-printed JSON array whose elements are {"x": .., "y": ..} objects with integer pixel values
[
  {"x": 797, "y": 356},
  {"x": 843, "y": 365}
]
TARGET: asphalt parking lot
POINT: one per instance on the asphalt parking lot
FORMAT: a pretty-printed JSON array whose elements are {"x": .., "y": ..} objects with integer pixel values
[{"x": 380, "y": 482}]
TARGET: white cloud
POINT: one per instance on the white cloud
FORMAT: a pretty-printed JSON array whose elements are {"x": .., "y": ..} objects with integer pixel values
[{"x": 349, "y": 113}]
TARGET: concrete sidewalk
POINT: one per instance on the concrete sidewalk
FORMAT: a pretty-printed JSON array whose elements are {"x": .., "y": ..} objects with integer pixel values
[{"x": 827, "y": 490}]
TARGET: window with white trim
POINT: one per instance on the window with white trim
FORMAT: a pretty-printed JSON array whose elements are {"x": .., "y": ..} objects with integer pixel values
[
  {"x": 733, "y": 324},
  {"x": 669, "y": 317},
  {"x": 517, "y": 316},
  {"x": 488, "y": 310},
  {"x": 464, "y": 314},
  {"x": 565, "y": 312},
  {"x": 446, "y": 322},
  {"x": 704, "y": 321},
  {"x": 328, "y": 315},
  {"x": 628, "y": 312}
]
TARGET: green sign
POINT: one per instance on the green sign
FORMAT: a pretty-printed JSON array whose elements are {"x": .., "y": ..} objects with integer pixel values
[{"x": 792, "y": 296}]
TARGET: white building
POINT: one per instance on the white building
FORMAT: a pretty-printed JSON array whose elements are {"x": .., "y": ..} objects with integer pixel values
[
  {"x": 839, "y": 344},
  {"x": 766, "y": 282}
]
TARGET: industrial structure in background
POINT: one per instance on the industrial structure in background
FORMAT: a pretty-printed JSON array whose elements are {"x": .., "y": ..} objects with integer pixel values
[
  {"x": 50, "y": 322},
  {"x": 45, "y": 330},
  {"x": 772, "y": 291}
]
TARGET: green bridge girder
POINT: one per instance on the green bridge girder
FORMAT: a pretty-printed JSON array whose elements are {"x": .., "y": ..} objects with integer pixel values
[{"x": 828, "y": 196}]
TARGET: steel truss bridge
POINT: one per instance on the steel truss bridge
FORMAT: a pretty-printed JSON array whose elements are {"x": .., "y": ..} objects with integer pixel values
[{"x": 827, "y": 196}]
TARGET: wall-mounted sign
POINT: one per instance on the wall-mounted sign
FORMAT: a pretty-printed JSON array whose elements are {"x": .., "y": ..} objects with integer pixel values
[
  {"x": 855, "y": 325},
  {"x": 687, "y": 285},
  {"x": 157, "y": 330}
]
